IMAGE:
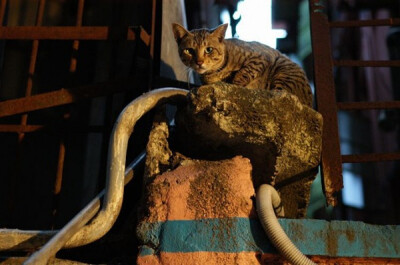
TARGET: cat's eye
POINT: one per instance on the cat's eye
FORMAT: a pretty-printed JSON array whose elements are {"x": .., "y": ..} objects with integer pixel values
[
  {"x": 188, "y": 51},
  {"x": 209, "y": 50}
]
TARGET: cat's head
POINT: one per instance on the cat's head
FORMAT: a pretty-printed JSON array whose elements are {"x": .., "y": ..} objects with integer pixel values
[{"x": 203, "y": 50}]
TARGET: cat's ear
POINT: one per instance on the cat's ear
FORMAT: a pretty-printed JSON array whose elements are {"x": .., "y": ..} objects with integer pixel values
[
  {"x": 220, "y": 31},
  {"x": 179, "y": 31}
]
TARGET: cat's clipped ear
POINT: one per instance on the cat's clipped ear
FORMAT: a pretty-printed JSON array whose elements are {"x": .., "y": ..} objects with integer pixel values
[
  {"x": 220, "y": 31},
  {"x": 179, "y": 31}
]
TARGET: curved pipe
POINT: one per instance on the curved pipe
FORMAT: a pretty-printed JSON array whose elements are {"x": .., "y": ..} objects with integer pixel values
[
  {"x": 123, "y": 129},
  {"x": 267, "y": 199},
  {"x": 11, "y": 239}
]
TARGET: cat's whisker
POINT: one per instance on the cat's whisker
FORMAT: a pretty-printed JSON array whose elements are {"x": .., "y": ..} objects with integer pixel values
[
  {"x": 188, "y": 78},
  {"x": 187, "y": 72}
]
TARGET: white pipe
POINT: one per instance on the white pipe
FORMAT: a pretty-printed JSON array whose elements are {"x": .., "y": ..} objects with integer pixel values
[
  {"x": 11, "y": 239},
  {"x": 118, "y": 146},
  {"x": 267, "y": 199}
]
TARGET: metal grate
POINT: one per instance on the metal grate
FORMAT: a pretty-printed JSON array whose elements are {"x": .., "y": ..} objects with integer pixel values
[
  {"x": 21, "y": 108},
  {"x": 332, "y": 158}
]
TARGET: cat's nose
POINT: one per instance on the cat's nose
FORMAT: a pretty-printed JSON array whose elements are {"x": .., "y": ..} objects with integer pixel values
[{"x": 199, "y": 62}]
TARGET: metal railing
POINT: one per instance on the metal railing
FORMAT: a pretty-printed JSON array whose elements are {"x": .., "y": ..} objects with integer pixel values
[
  {"x": 332, "y": 159},
  {"x": 34, "y": 35},
  {"x": 79, "y": 231}
]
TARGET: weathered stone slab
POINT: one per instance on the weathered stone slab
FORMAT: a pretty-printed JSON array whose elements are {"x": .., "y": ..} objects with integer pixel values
[{"x": 281, "y": 136}]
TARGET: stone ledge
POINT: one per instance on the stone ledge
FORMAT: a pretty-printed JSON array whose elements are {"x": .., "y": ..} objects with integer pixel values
[
  {"x": 244, "y": 235},
  {"x": 280, "y": 136}
]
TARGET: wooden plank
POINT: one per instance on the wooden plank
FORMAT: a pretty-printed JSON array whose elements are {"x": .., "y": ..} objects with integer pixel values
[
  {"x": 62, "y": 97},
  {"x": 72, "y": 33},
  {"x": 331, "y": 163},
  {"x": 144, "y": 36},
  {"x": 20, "y": 128},
  {"x": 31, "y": 128}
]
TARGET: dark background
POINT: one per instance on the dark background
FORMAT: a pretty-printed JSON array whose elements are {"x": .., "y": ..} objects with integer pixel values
[{"x": 29, "y": 161}]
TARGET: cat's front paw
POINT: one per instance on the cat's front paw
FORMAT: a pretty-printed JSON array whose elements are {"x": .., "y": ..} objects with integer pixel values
[{"x": 241, "y": 80}]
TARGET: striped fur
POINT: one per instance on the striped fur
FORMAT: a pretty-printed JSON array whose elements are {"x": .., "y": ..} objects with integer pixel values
[{"x": 249, "y": 64}]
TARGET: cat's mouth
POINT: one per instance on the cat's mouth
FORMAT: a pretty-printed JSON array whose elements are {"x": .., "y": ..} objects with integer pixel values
[{"x": 200, "y": 69}]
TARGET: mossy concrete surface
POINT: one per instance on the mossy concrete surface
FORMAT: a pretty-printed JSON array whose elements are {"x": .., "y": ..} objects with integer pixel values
[{"x": 280, "y": 135}]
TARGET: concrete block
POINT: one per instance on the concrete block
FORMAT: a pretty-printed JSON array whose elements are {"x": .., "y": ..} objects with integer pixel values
[{"x": 280, "y": 135}]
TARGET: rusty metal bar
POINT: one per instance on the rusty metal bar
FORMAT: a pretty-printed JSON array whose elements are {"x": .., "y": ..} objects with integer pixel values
[
  {"x": 24, "y": 118},
  {"x": 60, "y": 169},
  {"x": 326, "y": 101},
  {"x": 155, "y": 41},
  {"x": 373, "y": 157},
  {"x": 32, "y": 63},
  {"x": 72, "y": 33},
  {"x": 20, "y": 128},
  {"x": 365, "y": 23},
  {"x": 144, "y": 36},
  {"x": 3, "y": 5},
  {"x": 63, "y": 97},
  {"x": 368, "y": 105},
  {"x": 75, "y": 44},
  {"x": 59, "y": 172},
  {"x": 153, "y": 28},
  {"x": 358, "y": 63},
  {"x": 15, "y": 128},
  {"x": 61, "y": 152}
]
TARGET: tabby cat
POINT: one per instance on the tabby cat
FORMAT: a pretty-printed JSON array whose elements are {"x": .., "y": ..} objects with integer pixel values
[{"x": 248, "y": 64}]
